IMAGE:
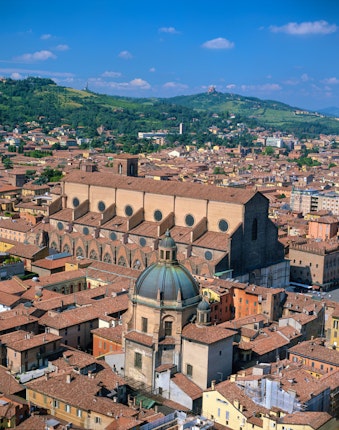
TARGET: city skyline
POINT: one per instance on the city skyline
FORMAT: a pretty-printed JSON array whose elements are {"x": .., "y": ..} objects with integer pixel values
[{"x": 286, "y": 51}]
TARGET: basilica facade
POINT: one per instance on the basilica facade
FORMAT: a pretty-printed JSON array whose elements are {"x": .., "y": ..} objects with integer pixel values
[{"x": 119, "y": 218}]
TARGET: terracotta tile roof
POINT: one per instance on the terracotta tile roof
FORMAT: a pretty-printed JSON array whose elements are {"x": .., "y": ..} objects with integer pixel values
[
  {"x": 99, "y": 269},
  {"x": 212, "y": 240},
  {"x": 29, "y": 341},
  {"x": 124, "y": 423},
  {"x": 71, "y": 359},
  {"x": 206, "y": 335},
  {"x": 146, "y": 229},
  {"x": 69, "y": 318},
  {"x": 230, "y": 391},
  {"x": 90, "y": 218},
  {"x": 117, "y": 223},
  {"x": 314, "y": 349},
  {"x": 63, "y": 215},
  {"x": 315, "y": 419},
  {"x": 93, "y": 311},
  {"x": 187, "y": 386},
  {"x": 114, "y": 334},
  {"x": 190, "y": 190},
  {"x": 48, "y": 300},
  {"x": 8, "y": 300},
  {"x": 174, "y": 405},
  {"x": 164, "y": 367},
  {"x": 81, "y": 392},
  {"x": 265, "y": 342},
  {"x": 40, "y": 422},
  {"x": 25, "y": 250},
  {"x": 248, "y": 320},
  {"x": 45, "y": 263},
  {"x": 8, "y": 383},
  {"x": 16, "y": 321},
  {"x": 56, "y": 278},
  {"x": 168, "y": 340},
  {"x": 141, "y": 338},
  {"x": 181, "y": 234},
  {"x": 19, "y": 225}
]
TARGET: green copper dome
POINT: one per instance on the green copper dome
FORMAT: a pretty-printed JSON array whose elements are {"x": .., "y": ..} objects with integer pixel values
[{"x": 167, "y": 280}]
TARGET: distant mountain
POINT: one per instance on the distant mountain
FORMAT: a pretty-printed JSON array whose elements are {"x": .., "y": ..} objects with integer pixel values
[
  {"x": 330, "y": 111},
  {"x": 41, "y": 100}
]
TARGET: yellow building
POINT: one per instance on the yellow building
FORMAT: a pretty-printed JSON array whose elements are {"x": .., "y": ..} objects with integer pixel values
[
  {"x": 226, "y": 404},
  {"x": 77, "y": 399},
  {"x": 334, "y": 336}
]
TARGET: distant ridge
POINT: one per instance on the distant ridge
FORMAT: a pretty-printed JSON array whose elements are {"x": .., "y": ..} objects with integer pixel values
[
  {"x": 42, "y": 100},
  {"x": 330, "y": 111}
]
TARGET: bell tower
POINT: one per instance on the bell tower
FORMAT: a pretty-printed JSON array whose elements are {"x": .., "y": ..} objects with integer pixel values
[{"x": 125, "y": 165}]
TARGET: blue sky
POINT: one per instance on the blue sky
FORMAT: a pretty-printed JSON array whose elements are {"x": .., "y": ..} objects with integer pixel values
[{"x": 279, "y": 49}]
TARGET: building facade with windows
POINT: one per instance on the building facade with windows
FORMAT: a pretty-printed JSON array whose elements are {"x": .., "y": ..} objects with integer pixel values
[
  {"x": 168, "y": 328},
  {"x": 119, "y": 218}
]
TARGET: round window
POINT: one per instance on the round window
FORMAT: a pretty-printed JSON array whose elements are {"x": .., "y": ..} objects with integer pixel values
[
  {"x": 142, "y": 241},
  {"x": 208, "y": 255},
  {"x": 101, "y": 206},
  {"x": 157, "y": 215},
  {"x": 223, "y": 225},
  {"x": 60, "y": 225},
  {"x": 113, "y": 236},
  {"x": 76, "y": 202},
  {"x": 85, "y": 230},
  {"x": 128, "y": 210},
  {"x": 189, "y": 220}
]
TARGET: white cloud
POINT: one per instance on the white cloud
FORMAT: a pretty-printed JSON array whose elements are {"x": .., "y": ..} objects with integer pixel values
[
  {"x": 45, "y": 36},
  {"x": 16, "y": 75},
  {"x": 315, "y": 27},
  {"x": 134, "y": 84},
  {"x": 62, "y": 47},
  {"x": 170, "y": 30},
  {"x": 36, "y": 72},
  {"x": 152, "y": 69},
  {"x": 331, "y": 81},
  {"x": 175, "y": 85},
  {"x": 36, "y": 56},
  {"x": 230, "y": 86},
  {"x": 140, "y": 83},
  {"x": 262, "y": 88},
  {"x": 305, "y": 78},
  {"x": 218, "y": 43},
  {"x": 291, "y": 82},
  {"x": 109, "y": 74},
  {"x": 126, "y": 55}
]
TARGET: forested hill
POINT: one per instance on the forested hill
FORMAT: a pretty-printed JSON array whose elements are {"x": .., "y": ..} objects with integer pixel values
[{"x": 36, "y": 99}]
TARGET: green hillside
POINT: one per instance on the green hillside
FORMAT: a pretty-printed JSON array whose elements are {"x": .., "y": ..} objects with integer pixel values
[
  {"x": 266, "y": 113},
  {"x": 41, "y": 100}
]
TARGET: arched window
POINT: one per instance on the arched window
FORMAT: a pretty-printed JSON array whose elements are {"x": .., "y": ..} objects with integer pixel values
[
  {"x": 66, "y": 248},
  {"x": 79, "y": 252},
  {"x": 255, "y": 229},
  {"x": 54, "y": 245},
  {"x": 120, "y": 169},
  {"x": 107, "y": 258},
  {"x": 122, "y": 262},
  {"x": 93, "y": 255},
  {"x": 136, "y": 264}
]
